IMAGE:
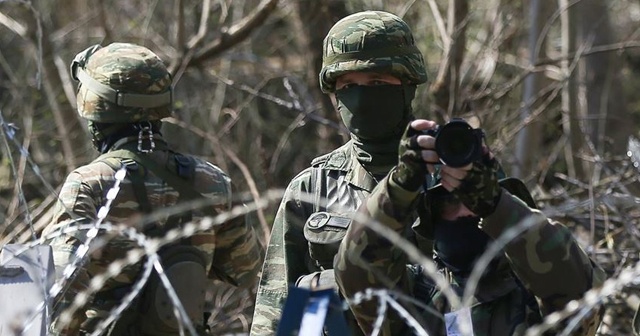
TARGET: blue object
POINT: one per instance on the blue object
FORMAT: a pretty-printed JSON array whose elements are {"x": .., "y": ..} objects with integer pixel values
[{"x": 303, "y": 301}]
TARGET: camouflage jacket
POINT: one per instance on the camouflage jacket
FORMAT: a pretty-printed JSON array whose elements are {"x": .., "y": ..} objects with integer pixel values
[
  {"x": 232, "y": 247},
  {"x": 539, "y": 272},
  {"x": 300, "y": 248}
]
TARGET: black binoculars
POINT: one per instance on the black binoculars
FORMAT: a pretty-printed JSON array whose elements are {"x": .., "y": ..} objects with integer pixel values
[{"x": 457, "y": 143}]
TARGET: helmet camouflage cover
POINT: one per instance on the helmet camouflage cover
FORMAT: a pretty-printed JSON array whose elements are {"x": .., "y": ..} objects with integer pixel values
[
  {"x": 371, "y": 41},
  {"x": 122, "y": 83}
]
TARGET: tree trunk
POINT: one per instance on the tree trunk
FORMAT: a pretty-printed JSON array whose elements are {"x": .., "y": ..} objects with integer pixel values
[
  {"x": 446, "y": 86},
  {"x": 605, "y": 116},
  {"x": 313, "y": 21},
  {"x": 529, "y": 140},
  {"x": 66, "y": 119},
  {"x": 570, "y": 112}
]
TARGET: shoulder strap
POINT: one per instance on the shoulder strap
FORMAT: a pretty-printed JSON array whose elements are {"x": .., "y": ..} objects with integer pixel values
[
  {"x": 317, "y": 185},
  {"x": 161, "y": 171},
  {"x": 136, "y": 176}
]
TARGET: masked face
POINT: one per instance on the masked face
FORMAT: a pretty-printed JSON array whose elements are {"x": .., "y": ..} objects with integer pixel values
[
  {"x": 459, "y": 242},
  {"x": 375, "y": 113}
]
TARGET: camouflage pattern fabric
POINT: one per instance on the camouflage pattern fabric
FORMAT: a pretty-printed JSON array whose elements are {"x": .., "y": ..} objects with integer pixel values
[
  {"x": 371, "y": 41},
  {"x": 345, "y": 184},
  {"x": 233, "y": 247},
  {"x": 479, "y": 190},
  {"x": 546, "y": 260},
  {"x": 411, "y": 171},
  {"x": 128, "y": 68}
]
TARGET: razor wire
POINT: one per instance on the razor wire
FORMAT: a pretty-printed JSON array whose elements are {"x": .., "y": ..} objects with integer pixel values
[
  {"x": 150, "y": 247},
  {"x": 589, "y": 300},
  {"x": 580, "y": 308},
  {"x": 388, "y": 299},
  {"x": 385, "y": 295},
  {"x": 8, "y": 132},
  {"x": 58, "y": 288},
  {"x": 510, "y": 234},
  {"x": 577, "y": 308},
  {"x": 69, "y": 271},
  {"x": 149, "y": 250},
  {"x": 385, "y": 299}
]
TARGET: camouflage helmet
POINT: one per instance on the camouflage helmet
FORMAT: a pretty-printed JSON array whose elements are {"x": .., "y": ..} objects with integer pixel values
[
  {"x": 371, "y": 41},
  {"x": 121, "y": 83}
]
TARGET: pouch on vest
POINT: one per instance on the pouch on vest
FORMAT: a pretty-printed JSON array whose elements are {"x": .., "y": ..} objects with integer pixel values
[
  {"x": 318, "y": 280},
  {"x": 324, "y": 231},
  {"x": 185, "y": 267}
]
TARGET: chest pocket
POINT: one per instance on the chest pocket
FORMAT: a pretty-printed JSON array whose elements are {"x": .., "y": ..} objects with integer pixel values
[{"x": 324, "y": 231}]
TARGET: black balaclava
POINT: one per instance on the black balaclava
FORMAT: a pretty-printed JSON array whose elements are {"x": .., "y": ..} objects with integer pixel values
[
  {"x": 105, "y": 135},
  {"x": 376, "y": 116},
  {"x": 459, "y": 243}
]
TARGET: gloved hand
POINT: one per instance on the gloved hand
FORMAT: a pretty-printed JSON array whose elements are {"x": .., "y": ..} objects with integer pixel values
[
  {"x": 480, "y": 191},
  {"x": 410, "y": 173}
]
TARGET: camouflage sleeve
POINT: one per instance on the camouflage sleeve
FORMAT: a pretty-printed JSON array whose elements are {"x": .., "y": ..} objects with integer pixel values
[
  {"x": 76, "y": 205},
  {"x": 367, "y": 260},
  {"x": 286, "y": 258},
  {"x": 546, "y": 258},
  {"x": 238, "y": 252}
]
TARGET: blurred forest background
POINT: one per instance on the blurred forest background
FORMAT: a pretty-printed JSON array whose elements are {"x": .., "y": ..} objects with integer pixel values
[{"x": 554, "y": 84}]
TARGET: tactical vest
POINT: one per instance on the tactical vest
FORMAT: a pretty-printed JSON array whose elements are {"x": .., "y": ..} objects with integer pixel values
[
  {"x": 184, "y": 265},
  {"x": 335, "y": 201}
]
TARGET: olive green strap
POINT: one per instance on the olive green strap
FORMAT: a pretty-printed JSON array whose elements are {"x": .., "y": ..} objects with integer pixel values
[
  {"x": 121, "y": 98},
  {"x": 137, "y": 181},
  {"x": 179, "y": 184}
]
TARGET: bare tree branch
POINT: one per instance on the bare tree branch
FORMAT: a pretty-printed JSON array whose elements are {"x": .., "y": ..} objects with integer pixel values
[
  {"x": 446, "y": 85},
  {"x": 13, "y": 25},
  {"x": 104, "y": 23},
  {"x": 228, "y": 38},
  {"x": 202, "y": 29},
  {"x": 442, "y": 28}
]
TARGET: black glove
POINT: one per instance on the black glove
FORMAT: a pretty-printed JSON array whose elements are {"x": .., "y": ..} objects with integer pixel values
[
  {"x": 480, "y": 191},
  {"x": 411, "y": 170}
]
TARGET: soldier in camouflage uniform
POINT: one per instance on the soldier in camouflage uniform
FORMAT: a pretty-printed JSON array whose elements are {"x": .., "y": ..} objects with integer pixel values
[
  {"x": 372, "y": 66},
  {"x": 125, "y": 90},
  {"x": 537, "y": 273}
]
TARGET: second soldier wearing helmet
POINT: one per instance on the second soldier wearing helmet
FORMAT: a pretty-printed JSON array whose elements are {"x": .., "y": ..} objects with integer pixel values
[
  {"x": 125, "y": 90},
  {"x": 537, "y": 273},
  {"x": 372, "y": 66}
]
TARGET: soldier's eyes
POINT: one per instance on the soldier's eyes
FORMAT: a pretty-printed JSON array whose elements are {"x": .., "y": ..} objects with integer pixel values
[
  {"x": 369, "y": 83},
  {"x": 378, "y": 82},
  {"x": 345, "y": 86}
]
